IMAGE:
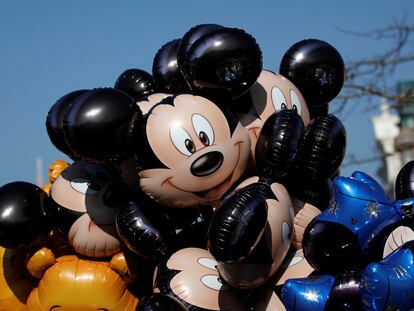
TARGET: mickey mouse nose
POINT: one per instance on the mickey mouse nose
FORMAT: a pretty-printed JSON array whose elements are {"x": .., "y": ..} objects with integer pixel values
[{"x": 207, "y": 164}]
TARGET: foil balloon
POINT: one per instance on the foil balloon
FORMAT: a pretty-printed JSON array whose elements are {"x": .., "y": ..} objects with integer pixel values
[
  {"x": 136, "y": 83},
  {"x": 226, "y": 59},
  {"x": 353, "y": 230},
  {"x": 55, "y": 121},
  {"x": 316, "y": 68},
  {"x": 190, "y": 275},
  {"x": 55, "y": 169},
  {"x": 278, "y": 142},
  {"x": 78, "y": 284},
  {"x": 165, "y": 70},
  {"x": 322, "y": 149},
  {"x": 192, "y": 36},
  {"x": 404, "y": 184},
  {"x": 95, "y": 124},
  {"x": 25, "y": 211},
  {"x": 389, "y": 284},
  {"x": 85, "y": 198}
]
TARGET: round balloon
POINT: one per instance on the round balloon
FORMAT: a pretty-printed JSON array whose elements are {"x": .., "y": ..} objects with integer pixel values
[
  {"x": 24, "y": 215},
  {"x": 56, "y": 118},
  {"x": 160, "y": 302},
  {"x": 404, "y": 184},
  {"x": 316, "y": 68},
  {"x": 167, "y": 74},
  {"x": 136, "y": 83}
]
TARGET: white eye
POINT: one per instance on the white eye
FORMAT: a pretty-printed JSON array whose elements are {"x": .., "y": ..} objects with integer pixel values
[
  {"x": 181, "y": 140},
  {"x": 278, "y": 99},
  {"x": 213, "y": 282},
  {"x": 285, "y": 232},
  {"x": 208, "y": 263},
  {"x": 83, "y": 186},
  {"x": 295, "y": 102},
  {"x": 203, "y": 129}
]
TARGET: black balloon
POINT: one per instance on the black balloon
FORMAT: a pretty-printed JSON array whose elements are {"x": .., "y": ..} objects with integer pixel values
[
  {"x": 160, "y": 302},
  {"x": 136, "y": 83},
  {"x": 167, "y": 75},
  {"x": 55, "y": 121},
  {"x": 344, "y": 295},
  {"x": 278, "y": 142},
  {"x": 139, "y": 233},
  {"x": 227, "y": 60},
  {"x": 97, "y": 124},
  {"x": 331, "y": 247},
  {"x": 404, "y": 184},
  {"x": 322, "y": 149},
  {"x": 237, "y": 225},
  {"x": 190, "y": 37},
  {"x": 316, "y": 68},
  {"x": 25, "y": 211}
]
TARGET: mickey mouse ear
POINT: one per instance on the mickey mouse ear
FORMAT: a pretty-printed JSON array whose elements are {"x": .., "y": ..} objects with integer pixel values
[
  {"x": 192, "y": 36},
  {"x": 55, "y": 121},
  {"x": 136, "y": 83},
  {"x": 404, "y": 184},
  {"x": 97, "y": 124},
  {"x": 227, "y": 60},
  {"x": 316, "y": 68},
  {"x": 167, "y": 74}
]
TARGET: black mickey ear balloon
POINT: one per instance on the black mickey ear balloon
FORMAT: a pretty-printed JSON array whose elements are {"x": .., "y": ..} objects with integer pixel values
[
  {"x": 227, "y": 60},
  {"x": 97, "y": 124},
  {"x": 55, "y": 121},
  {"x": 136, "y": 83},
  {"x": 192, "y": 36},
  {"x": 167, "y": 75},
  {"x": 24, "y": 214},
  {"x": 160, "y": 302},
  {"x": 404, "y": 184},
  {"x": 316, "y": 68}
]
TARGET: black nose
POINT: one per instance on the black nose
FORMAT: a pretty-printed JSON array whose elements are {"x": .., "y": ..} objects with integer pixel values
[{"x": 207, "y": 164}]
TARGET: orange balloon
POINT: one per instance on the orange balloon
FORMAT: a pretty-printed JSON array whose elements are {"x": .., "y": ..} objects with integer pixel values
[{"x": 82, "y": 285}]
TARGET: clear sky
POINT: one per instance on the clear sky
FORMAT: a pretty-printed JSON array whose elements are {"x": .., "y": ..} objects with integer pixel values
[{"x": 51, "y": 47}]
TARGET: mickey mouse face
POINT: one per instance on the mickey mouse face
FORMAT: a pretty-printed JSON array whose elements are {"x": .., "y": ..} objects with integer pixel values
[
  {"x": 272, "y": 92},
  {"x": 85, "y": 214},
  {"x": 201, "y": 154},
  {"x": 194, "y": 279}
]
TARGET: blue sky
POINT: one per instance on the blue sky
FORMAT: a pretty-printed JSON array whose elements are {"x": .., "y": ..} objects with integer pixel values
[{"x": 49, "y": 48}]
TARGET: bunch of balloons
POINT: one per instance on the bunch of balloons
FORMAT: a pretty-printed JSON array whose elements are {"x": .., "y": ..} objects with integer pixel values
[{"x": 191, "y": 188}]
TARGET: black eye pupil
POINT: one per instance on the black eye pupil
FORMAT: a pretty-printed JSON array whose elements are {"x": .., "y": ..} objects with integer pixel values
[
  {"x": 204, "y": 138},
  {"x": 295, "y": 108},
  {"x": 283, "y": 106},
  {"x": 189, "y": 145}
]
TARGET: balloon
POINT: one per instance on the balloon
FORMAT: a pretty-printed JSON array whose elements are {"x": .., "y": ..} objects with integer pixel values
[
  {"x": 404, "y": 184},
  {"x": 387, "y": 284},
  {"x": 86, "y": 196},
  {"x": 192, "y": 36},
  {"x": 316, "y": 68},
  {"x": 24, "y": 215},
  {"x": 77, "y": 284},
  {"x": 56, "y": 118},
  {"x": 167, "y": 74},
  {"x": 278, "y": 142},
  {"x": 352, "y": 231},
  {"x": 322, "y": 149},
  {"x": 160, "y": 302},
  {"x": 97, "y": 124},
  {"x": 191, "y": 276},
  {"x": 238, "y": 224},
  {"x": 223, "y": 63},
  {"x": 136, "y": 83},
  {"x": 140, "y": 234}
]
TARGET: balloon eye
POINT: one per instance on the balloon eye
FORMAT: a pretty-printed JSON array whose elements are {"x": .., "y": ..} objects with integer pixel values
[
  {"x": 295, "y": 102},
  {"x": 203, "y": 129},
  {"x": 84, "y": 186},
  {"x": 278, "y": 99},
  {"x": 182, "y": 141},
  {"x": 285, "y": 232},
  {"x": 208, "y": 263},
  {"x": 213, "y": 282}
]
